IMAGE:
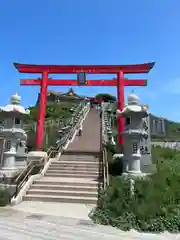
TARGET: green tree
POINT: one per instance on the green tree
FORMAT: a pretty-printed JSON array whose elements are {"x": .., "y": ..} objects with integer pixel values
[{"x": 106, "y": 97}]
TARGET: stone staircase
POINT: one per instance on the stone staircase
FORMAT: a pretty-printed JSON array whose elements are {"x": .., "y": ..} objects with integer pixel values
[
  {"x": 75, "y": 177},
  {"x": 68, "y": 180}
]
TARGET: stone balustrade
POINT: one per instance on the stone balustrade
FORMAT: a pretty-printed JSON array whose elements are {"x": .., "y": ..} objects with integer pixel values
[
  {"x": 172, "y": 145},
  {"x": 67, "y": 132}
]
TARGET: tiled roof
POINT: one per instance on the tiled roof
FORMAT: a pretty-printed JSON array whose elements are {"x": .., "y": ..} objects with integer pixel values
[{"x": 70, "y": 93}]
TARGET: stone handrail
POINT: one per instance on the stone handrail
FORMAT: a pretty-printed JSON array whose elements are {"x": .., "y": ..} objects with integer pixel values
[
  {"x": 172, "y": 145},
  {"x": 104, "y": 141},
  {"x": 23, "y": 177},
  {"x": 25, "y": 180},
  {"x": 105, "y": 123},
  {"x": 68, "y": 131}
]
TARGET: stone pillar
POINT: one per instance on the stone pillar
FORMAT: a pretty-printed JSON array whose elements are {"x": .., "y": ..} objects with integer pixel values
[
  {"x": 9, "y": 156},
  {"x": 154, "y": 126},
  {"x": 163, "y": 125},
  {"x": 134, "y": 161}
]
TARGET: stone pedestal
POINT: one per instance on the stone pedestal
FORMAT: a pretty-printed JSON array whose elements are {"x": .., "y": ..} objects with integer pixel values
[
  {"x": 21, "y": 161},
  {"x": 9, "y": 172},
  {"x": 134, "y": 166},
  {"x": 12, "y": 164},
  {"x": 9, "y": 159},
  {"x": 134, "y": 175},
  {"x": 37, "y": 156},
  {"x": 9, "y": 169},
  {"x": 118, "y": 156}
]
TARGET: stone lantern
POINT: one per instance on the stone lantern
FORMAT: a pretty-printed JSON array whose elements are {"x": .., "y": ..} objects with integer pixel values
[
  {"x": 15, "y": 156},
  {"x": 133, "y": 113}
]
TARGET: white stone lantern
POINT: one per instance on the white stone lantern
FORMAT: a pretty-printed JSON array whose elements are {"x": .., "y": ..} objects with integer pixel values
[
  {"x": 14, "y": 158},
  {"x": 133, "y": 133}
]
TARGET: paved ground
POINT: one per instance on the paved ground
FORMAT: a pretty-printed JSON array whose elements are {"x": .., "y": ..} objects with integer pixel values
[
  {"x": 21, "y": 226},
  {"x": 68, "y": 210}
]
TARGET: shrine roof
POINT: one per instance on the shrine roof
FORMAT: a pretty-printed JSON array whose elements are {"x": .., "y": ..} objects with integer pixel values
[
  {"x": 54, "y": 92},
  {"x": 70, "y": 93},
  {"x": 67, "y": 69}
]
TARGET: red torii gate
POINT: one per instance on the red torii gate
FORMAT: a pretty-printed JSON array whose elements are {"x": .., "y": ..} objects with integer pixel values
[{"x": 44, "y": 82}]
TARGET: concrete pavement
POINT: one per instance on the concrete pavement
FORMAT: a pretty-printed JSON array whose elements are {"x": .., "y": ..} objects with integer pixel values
[
  {"x": 22, "y": 225},
  {"x": 67, "y": 210}
]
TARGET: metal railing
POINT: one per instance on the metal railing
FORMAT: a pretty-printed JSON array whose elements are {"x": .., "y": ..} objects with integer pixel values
[
  {"x": 105, "y": 166},
  {"x": 2, "y": 147},
  {"x": 33, "y": 167},
  {"x": 104, "y": 160}
]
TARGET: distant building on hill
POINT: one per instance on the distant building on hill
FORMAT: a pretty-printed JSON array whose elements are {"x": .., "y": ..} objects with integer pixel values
[
  {"x": 58, "y": 97},
  {"x": 158, "y": 126}
]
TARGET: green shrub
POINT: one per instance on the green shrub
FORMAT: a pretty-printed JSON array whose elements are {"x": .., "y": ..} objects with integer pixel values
[
  {"x": 4, "y": 197},
  {"x": 36, "y": 169},
  {"x": 155, "y": 204},
  {"x": 115, "y": 165}
]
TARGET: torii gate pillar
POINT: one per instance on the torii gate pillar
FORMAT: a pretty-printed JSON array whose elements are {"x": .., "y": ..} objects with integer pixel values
[
  {"x": 41, "y": 111},
  {"x": 120, "y": 98}
]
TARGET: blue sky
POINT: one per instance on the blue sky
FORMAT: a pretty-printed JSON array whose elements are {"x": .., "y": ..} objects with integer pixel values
[{"x": 94, "y": 32}]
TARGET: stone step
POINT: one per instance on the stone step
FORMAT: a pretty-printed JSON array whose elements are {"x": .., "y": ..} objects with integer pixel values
[
  {"x": 63, "y": 199},
  {"x": 73, "y": 171},
  {"x": 53, "y": 192},
  {"x": 72, "y": 163},
  {"x": 72, "y": 158},
  {"x": 78, "y": 156},
  {"x": 81, "y": 155},
  {"x": 79, "y": 159},
  {"x": 78, "y": 153},
  {"x": 75, "y": 167},
  {"x": 61, "y": 183},
  {"x": 73, "y": 175},
  {"x": 71, "y": 187}
]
